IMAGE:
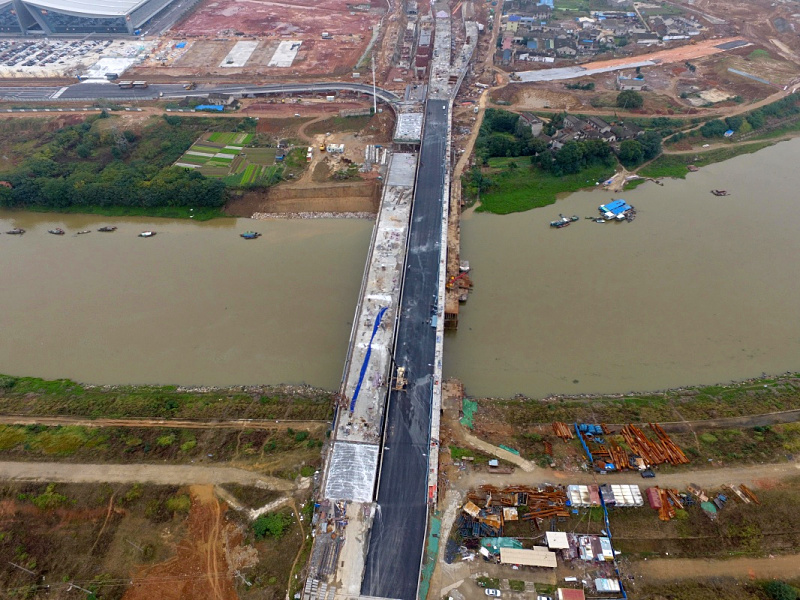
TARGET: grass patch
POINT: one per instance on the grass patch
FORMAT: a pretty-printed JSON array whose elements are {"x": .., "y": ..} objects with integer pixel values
[
  {"x": 525, "y": 188},
  {"x": 339, "y": 125},
  {"x": 633, "y": 184},
  {"x": 675, "y": 165},
  {"x": 516, "y": 585}
]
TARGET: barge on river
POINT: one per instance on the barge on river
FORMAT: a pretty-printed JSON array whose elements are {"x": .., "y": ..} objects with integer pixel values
[{"x": 617, "y": 210}]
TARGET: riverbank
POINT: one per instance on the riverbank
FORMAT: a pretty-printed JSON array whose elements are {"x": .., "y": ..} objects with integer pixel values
[
  {"x": 757, "y": 396},
  {"x": 32, "y": 396},
  {"x": 158, "y": 212},
  {"x": 676, "y": 165}
]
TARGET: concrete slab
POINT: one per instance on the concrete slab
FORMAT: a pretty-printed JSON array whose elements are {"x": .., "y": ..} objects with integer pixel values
[
  {"x": 239, "y": 54},
  {"x": 408, "y": 128},
  {"x": 402, "y": 169},
  {"x": 352, "y": 471},
  {"x": 285, "y": 54}
]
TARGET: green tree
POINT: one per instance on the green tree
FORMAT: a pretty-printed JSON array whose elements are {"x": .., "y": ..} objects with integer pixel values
[
  {"x": 734, "y": 122},
  {"x": 629, "y": 99},
  {"x": 569, "y": 159},
  {"x": 651, "y": 144},
  {"x": 713, "y": 128},
  {"x": 631, "y": 153}
]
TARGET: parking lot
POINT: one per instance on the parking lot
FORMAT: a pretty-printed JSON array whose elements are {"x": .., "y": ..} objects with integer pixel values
[{"x": 40, "y": 58}]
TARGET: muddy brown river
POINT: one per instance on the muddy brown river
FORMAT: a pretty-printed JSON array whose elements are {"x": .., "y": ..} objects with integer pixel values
[
  {"x": 698, "y": 289},
  {"x": 195, "y": 304}
]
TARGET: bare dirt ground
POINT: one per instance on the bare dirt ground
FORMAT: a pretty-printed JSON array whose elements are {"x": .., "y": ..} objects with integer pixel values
[
  {"x": 680, "y": 54},
  {"x": 666, "y": 569},
  {"x": 170, "y": 423},
  {"x": 272, "y": 22},
  {"x": 201, "y": 568},
  {"x": 145, "y": 473}
]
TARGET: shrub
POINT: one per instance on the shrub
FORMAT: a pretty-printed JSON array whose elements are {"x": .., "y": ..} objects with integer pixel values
[
  {"x": 49, "y": 499},
  {"x": 188, "y": 446},
  {"x": 179, "y": 504},
  {"x": 779, "y": 590},
  {"x": 166, "y": 440},
  {"x": 708, "y": 438},
  {"x": 273, "y": 525}
]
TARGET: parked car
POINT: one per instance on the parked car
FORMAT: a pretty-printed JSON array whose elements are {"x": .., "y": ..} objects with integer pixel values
[
  {"x": 648, "y": 474},
  {"x": 493, "y": 592}
]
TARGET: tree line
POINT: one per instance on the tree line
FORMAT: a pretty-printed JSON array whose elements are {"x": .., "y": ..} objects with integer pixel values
[{"x": 96, "y": 163}]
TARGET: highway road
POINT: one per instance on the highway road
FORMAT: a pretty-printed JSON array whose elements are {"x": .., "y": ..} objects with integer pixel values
[
  {"x": 88, "y": 91},
  {"x": 398, "y": 531}
]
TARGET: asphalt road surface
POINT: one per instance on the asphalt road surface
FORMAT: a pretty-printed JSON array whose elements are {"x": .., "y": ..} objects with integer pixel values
[
  {"x": 27, "y": 93},
  {"x": 95, "y": 91},
  {"x": 398, "y": 532}
]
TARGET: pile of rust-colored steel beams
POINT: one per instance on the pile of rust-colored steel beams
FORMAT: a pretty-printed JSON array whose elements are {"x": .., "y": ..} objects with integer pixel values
[
  {"x": 563, "y": 431},
  {"x": 654, "y": 452},
  {"x": 749, "y": 493}
]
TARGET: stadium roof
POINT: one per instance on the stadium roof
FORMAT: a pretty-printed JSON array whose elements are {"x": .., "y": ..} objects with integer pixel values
[{"x": 95, "y": 8}]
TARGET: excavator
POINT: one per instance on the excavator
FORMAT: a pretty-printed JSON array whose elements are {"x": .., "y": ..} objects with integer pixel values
[{"x": 452, "y": 281}]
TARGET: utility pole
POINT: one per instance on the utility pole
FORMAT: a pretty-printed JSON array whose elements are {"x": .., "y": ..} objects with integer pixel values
[
  {"x": 21, "y": 568},
  {"x": 374, "y": 98}
]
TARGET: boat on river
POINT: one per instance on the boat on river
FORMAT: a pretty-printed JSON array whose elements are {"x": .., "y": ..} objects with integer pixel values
[
  {"x": 16, "y": 231},
  {"x": 720, "y": 192},
  {"x": 147, "y": 234},
  {"x": 56, "y": 231},
  {"x": 250, "y": 235},
  {"x": 107, "y": 228},
  {"x": 85, "y": 231},
  {"x": 564, "y": 221}
]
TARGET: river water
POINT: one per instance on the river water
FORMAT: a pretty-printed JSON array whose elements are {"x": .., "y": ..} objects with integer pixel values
[
  {"x": 698, "y": 289},
  {"x": 195, "y": 304}
]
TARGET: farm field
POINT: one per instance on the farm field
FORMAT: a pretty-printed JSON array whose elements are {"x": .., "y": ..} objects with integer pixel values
[{"x": 225, "y": 156}]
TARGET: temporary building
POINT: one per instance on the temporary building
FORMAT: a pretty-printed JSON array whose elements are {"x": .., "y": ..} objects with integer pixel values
[
  {"x": 557, "y": 540},
  {"x": 607, "y": 585},
  {"x": 570, "y": 594},
  {"x": 539, "y": 556}
]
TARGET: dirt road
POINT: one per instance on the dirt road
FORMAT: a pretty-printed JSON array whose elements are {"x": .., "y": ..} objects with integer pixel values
[
  {"x": 157, "y": 474},
  {"x": 166, "y": 423},
  {"x": 667, "y": 569}
]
